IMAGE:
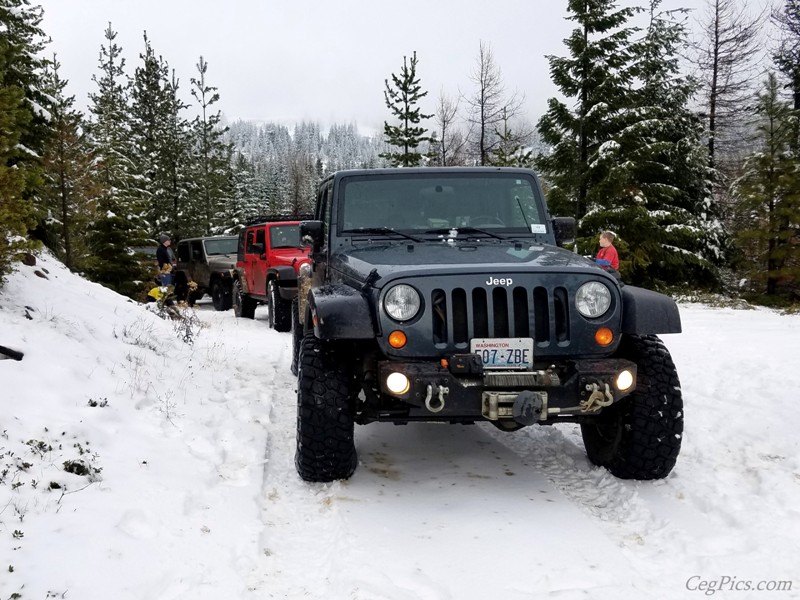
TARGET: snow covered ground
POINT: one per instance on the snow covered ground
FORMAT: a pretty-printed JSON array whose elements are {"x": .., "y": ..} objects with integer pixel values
[{"x": 137, "y": 466}]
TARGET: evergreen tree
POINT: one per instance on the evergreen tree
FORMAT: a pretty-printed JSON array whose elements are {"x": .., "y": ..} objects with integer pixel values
[
  {"x": 245, "y": 202},
  {"x": 23, "y": 124},
  {"x": 402, "y": 97},
  {"x": 787, "y": 59},
  {"x": 650, "y": 179},
  {"x": 117, "y": 225},
  {"x": 212, "y": 156},
  {"x": 597, "y": 75},
  {"x": 509, "y": 152},
  {"x": 70, "y": 187},
  {"x": 769, "y": 197},
  {"x": 161, "y": 143}
]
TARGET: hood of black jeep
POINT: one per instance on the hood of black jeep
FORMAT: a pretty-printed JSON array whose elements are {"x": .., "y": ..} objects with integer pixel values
[{"x": 492, "y": 257}]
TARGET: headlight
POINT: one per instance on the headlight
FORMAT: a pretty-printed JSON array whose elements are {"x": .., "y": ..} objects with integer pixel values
[
  {"x": 304, "y": 270},
  {"x": 402, "y": 302},
  {"x": 593, "y": 299}
]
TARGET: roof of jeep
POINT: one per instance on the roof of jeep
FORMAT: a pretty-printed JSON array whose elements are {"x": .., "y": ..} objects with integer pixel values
[
  {"x": 210, "y": 237},
  {"x": 429, "y": 171}
]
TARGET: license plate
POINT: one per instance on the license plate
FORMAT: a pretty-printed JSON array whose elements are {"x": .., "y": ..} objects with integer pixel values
[{"x": 503, "y": 353}]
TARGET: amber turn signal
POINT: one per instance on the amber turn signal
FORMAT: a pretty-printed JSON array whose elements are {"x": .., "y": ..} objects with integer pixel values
[
  {"x": 397, "y": 339},
  {"x": 604, "y": 336}
]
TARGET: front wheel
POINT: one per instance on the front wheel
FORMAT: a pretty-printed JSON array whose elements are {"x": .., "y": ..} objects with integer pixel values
[
  {"x": 220, "y": 296},
  {"x": 243, "y": 305},
  {"x": 280, "y": 316},
  {"x": 326, "y": 396},
  {"x": 640, "y": 436}
]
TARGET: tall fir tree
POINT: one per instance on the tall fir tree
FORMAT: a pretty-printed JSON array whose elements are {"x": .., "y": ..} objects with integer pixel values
[
  {"x": 597, "y": 75},
  {"x": 24, "y": 127},
  {"x": 161, "y": 144},
  {"x": 70, "y": 187},
  {"x": 402, "y": 98},
  {"x": 509, "y": 152},
  {"x": 245, "y": 201},
  {"x": 769, "y": 199},
  {"x": 212, "y": 156},
  {"x": 787, "y": 59},
  {"x": 650, "y": 181},
  {"x": 117, "y": 225}
]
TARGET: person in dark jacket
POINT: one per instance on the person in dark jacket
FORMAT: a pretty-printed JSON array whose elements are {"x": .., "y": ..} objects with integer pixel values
[{"x": 165, "y": 258}]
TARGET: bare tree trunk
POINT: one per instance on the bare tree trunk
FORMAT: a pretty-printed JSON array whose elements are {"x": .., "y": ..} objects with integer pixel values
[{"x": 487, "y": 103}]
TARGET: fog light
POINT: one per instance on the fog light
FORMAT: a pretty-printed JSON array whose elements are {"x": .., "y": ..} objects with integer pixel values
[
  {"x": 397, "y": 383},
  {"x": 604, "y": 336},
  {"x": 624, "y": 380},
  {"x": 397, "y": 339}
]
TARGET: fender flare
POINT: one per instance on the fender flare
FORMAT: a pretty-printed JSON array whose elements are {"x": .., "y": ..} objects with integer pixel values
[
  {"x": 283, "y": 275},
  {"x": 646, "y": 312},
  {"x": 339, "y": 313}
]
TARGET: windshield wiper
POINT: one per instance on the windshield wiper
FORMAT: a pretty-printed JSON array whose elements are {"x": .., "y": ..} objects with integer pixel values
[
  {"x": 466, "y": 230},
  {"x": 384, "y": 230}
]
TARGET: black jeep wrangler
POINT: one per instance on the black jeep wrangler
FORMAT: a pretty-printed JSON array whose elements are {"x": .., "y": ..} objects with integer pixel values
[
  {"x": 441, "y": 294},
  {"x": 205, "y": 266}
]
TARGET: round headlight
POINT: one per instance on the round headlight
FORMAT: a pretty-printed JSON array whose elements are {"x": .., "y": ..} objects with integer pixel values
[
  {"x": 593, "y": 299},
  {"x": 402, "y": 302},
  {"x": 304, "y": 270}
]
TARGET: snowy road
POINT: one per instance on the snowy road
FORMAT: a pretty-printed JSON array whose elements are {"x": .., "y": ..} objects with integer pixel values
[{"x": 440, "y": 511}]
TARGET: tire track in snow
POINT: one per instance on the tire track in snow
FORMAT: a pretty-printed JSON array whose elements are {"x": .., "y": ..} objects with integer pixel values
[{"x": 648, "y": 520}]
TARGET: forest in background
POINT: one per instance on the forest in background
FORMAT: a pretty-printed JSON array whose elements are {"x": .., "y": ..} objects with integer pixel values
[{"x": 696, "y": 170}]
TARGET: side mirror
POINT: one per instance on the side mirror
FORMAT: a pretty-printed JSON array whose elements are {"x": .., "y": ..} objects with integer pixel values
[
  {"x": 564, "y": 230},
  {"x": 256, "y": 249},
  {"x": 312, "y": 233}
]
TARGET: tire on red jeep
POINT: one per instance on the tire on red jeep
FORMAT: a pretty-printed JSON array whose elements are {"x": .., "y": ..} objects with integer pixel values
[
  {"x": 243, "y": 305},
  {"x": 280, "y": 310}
]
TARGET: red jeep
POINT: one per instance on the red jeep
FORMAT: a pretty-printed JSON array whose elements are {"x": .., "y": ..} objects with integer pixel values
[{"x": 269, "y": 257}]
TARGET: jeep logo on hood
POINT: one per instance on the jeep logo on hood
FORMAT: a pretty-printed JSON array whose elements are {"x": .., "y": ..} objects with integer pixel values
[{"x": 495, "y": 281}]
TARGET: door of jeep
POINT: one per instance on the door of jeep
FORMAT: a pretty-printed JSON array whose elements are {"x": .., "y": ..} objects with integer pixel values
[
  {"x": 256, "y": 257},
  {"x": 323, "y": 213},
  {"x": 199, "y": 268}
]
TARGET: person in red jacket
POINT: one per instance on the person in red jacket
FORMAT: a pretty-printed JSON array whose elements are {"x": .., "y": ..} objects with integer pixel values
[{"x": 607, "y": 256}]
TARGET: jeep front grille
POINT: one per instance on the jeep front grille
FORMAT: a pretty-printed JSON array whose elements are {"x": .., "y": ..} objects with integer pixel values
[{"x": 479, "y": 312}]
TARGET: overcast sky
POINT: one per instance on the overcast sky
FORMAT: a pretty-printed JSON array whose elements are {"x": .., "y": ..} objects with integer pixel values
[{"x": 318, "y": 60}]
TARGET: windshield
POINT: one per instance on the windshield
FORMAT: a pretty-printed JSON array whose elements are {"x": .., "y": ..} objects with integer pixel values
[
  {"x": 496, "y": 202},
  {"x": 217, "y": 246},
  {"x": 284, "y": 236}
]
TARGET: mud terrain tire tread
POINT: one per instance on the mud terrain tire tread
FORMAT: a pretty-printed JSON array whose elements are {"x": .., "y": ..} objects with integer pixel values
[
  {"x": 640, "y": 437},
  {"x": 220, "y": 297},
  {"x": 325, "y": 441},
  {"x": 243, "y": 305},
  {"x": 280, "y": 316}
]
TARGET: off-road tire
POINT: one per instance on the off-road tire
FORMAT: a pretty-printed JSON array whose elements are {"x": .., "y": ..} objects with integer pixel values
[
  {"x": 297, "y": 333},
  {"x": 640, "y": 436},
  {"x": 243, "y": 305},
  {"x": 280, "y": 316},
  {"x": 220, "y": 296},
  {"x": 181, "y": 288},
  {"x": 193, "y": 297},
  {"x": 325, "y": 403}
]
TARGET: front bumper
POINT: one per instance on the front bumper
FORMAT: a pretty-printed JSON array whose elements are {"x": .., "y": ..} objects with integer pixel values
[{"x": 459, "y": 389}]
